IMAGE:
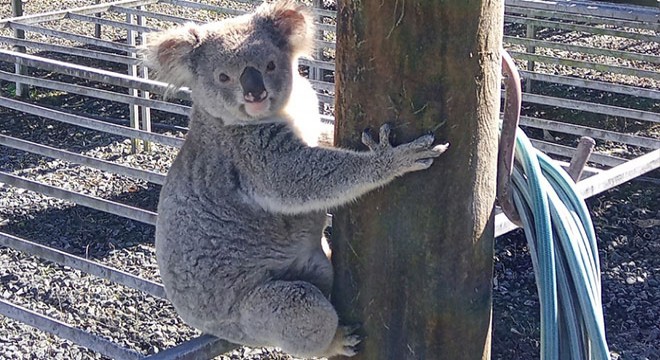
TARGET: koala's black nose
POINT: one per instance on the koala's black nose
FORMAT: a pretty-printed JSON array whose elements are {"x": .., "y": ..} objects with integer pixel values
[{"x": 253, "y": 85}]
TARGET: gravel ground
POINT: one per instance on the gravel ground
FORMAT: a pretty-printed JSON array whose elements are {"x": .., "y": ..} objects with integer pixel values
[{"x": 626, "y": 219}]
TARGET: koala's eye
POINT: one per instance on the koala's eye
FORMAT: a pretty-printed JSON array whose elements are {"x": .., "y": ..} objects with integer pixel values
[
  {"x": 270, "y": 66},
  {"x": 223, "y": 77}
]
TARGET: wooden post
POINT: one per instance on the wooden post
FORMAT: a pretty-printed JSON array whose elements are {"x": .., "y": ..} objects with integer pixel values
[{"x": 413, "y": 261}]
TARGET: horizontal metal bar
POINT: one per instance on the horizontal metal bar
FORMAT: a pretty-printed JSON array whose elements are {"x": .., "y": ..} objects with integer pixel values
[
  {"x": 602, "y": 9},
  {"x": 89, "y": 40},
  {"x": 126, "y": 211},
  {"x": 579, "y": 17},
  {"x": 502, "y": 224},
  {"x": 598, "y": 183},
  {"x": 204, "y": 6},
  {"x": 573, "y": 129},
  {"x": 620, "y": 174},
  {"x": 567, "y": 151},
  {"x": 326, "y": 119},
  {"x": 153, "y": 15},
  {"x": 592, "y": 107},
  {"x": 112, "y": 23},
  {"x": 587, "y": 65},
  {"x": 87, "y": 266},
  {"x": 327, "y": 13},
  {"x": 97, "y": 93},
  {"x": 69, "y": 50},
  {"x": 323, "y": 85},
  {"x": 592, "y": 84},
  {"x": 100, "y": 164},
  {"x": 325, "y": 44},
  {"x": 89, "y": 123},
  {"x": 201, "y": 347},
  {"x": 561, "y": 150},
  {"x": 325, "y": 27},
  {"x": 581, "y": 28},
  {"x": 90, "y": 73},
  {"x": 326, "y": 65},
  {"x": 583, "y": 49},
  {"x": 65, "y": 331},
  {"x": 60, "y": 14},
  {"x": 580, "y": 130}
]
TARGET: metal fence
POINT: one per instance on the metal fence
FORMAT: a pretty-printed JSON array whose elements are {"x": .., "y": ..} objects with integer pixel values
[{"x": 34, "y": 42}]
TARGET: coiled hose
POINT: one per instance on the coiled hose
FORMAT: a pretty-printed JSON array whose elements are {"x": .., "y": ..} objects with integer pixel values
[{"x": 562, "y": 243}]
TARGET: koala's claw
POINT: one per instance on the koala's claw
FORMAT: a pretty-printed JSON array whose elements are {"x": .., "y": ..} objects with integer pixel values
[
  {"x": 413, "y": 156},
  {"x": 368, "y": 140},
  {"x": 425, "y": 140},
  {"x": 383, "y": 139},
  {"x": 384, "y": 134},
  {"x": 345, "y": 342},
  {"x": 441, "y": 148}
]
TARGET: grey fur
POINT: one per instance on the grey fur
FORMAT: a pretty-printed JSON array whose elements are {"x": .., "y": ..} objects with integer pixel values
[{"x": 238, "y": 238}]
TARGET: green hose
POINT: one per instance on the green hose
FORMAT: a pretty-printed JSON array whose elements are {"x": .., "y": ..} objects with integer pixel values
[{"x": 564, "y": 253}]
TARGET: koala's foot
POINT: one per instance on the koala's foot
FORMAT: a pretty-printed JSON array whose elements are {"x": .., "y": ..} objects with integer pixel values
[
  {"x": 345, "y": 342},
  {"x": 413, "y": 156},
  {"x": 292, "y": 315}
]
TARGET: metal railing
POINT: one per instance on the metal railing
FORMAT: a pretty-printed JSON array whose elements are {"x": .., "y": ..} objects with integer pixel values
[{"x": 135, "y": 90}]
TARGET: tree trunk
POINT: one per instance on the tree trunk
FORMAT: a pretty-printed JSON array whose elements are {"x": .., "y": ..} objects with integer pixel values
[{"x": 413, "y": 261}]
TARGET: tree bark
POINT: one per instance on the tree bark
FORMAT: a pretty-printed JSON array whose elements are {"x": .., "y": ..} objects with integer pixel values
[{"x": 413, "y": 261}]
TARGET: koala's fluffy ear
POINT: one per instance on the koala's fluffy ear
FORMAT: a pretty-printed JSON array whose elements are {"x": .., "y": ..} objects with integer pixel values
[
  {"x": 169, "y": 53},
  {"x": 293, "y": 23}
]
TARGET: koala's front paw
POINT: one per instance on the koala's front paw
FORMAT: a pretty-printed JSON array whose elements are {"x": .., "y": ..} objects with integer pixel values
[
  {"x": 413, "y": 156},
  {"x": 345, "y": 342}
]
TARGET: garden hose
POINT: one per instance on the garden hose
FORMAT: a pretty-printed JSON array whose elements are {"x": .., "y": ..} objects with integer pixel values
[{"x": 562, "y": 244}]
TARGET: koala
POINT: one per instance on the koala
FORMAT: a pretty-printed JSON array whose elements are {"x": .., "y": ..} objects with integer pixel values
[{"x": 240, "y": 216}]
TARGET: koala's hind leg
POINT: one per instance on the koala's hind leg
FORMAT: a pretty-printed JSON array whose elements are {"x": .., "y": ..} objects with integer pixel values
[{"x": 296, "y": 317}]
